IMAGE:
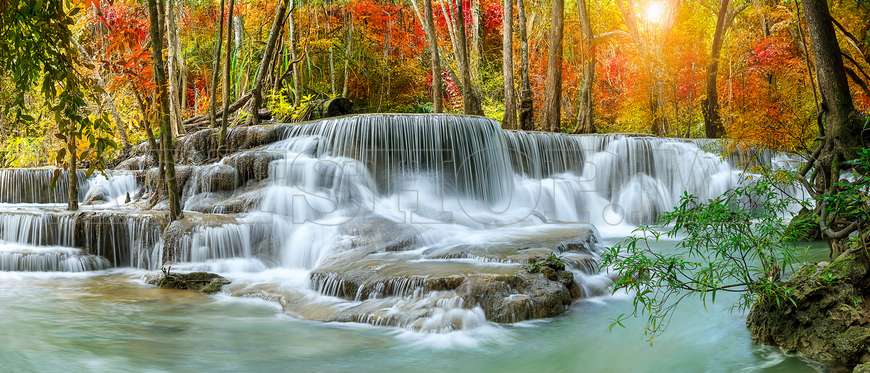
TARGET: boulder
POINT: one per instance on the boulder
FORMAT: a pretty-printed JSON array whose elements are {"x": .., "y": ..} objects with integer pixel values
[
  {"x": 203, "y": 282},
  {"x": 828, "y": 318}
]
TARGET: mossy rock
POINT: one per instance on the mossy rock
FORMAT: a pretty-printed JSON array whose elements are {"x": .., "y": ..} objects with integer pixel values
[
  {"x": 827, "y": 319},
  {"x": 803, "y": 227},
  {"x": 204, "y": 282}
]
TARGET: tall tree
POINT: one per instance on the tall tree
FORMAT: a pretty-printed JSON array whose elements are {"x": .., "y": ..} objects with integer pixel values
[
  {"x": 586, "y": 109},
  {"x": 174, "y": 66},
  {"x": 227, "y": 86},
  {"x": 553, "y": 84},
  {"x": 470, "y": 100},
  {"x": 166, "y": 140},
  {"x": 215, "y": 72},
  {"x": 347, "y": 54},
  {"x": 526, "y": 109},
  {"x": 428, "y": 22},
  {"x": 507, "y": 50},
  {"x": 713, "y": 126},
  {"x": 266, "y": 61},
  {"x": 297, "y": 75},
  {"x": 842, "y": 131}
]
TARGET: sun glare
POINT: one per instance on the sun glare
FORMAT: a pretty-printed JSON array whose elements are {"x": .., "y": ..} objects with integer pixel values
[{"x": 654, "y": 12}]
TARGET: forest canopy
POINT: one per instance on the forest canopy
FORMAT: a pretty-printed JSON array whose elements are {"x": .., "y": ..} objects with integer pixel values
[{"x": 666, "y": 67}]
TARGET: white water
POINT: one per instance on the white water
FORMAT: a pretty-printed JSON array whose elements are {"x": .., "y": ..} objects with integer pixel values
[{"x": 445, "y": 182}]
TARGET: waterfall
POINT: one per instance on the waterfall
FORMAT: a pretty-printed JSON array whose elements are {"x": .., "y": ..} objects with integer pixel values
[
  {"x": 385, "y": 219},
  {"x": 32, "y": 185}
]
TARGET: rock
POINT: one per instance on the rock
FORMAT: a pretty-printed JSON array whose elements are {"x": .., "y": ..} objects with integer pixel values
[
  {"x": 506, "y": 293},
  {"x": 252, "y": 165},
  {"x": 829, "y": 318},
  {"x": 204, "y": 282},
  {"x": 803, "y": 227}
]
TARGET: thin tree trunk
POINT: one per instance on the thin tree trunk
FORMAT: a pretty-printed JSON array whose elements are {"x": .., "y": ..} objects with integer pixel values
[
  {"x": 507, "y": 50},
  {"x": 163, "y": 114},
  {"x": 470, "y": 101},
  {"x": 347, "y": 54},
  {"x": 428, "y": 23},
  {"x": 297, "y": 83},
  {"x": 585, "y": 107},
  {"x": 476, "y": 39},
  {"x": 332, "y": 86},
  {"x": 712, "y": 120},
  {"x": 173, "y": 68},
  {"x": 72, "y": 170},
  {"x": 526, "y": 110},
  {"x": 265, "y": 62},
  {"x": 553, "y": 89},
  {"x": 212, "y": 104},
  {"x": 225, "y": 116}
]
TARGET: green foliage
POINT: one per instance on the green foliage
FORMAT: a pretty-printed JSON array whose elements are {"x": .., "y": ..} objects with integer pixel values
[
  {"x": 39, "y": 51},
  {"x": 731, "y": 244},
  {"x": 849, "y": 199},
  {"x": 552, "y": 261}
]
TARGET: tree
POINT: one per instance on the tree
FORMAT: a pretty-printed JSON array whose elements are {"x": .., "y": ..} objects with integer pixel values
[
  {"x": 843, "y": 132},
  {"x": 428, "y": 23},
  {"x": 175, "y": 66},
  {"x": 526, "y": 110},
  {"x": 227, "y": 86},
  {"x": 166, "y": 141},
  {"x": 470, "y": 101},
  {"x": 266, "y": 61},
  {"x": 40, "y": 50},
  {"x": 456, "y": 30},
  {"x": 216, "y": 65},
  {"x": 712, "y": 120},
  {"x": 585, "y": 110},
  {"x": 507, "y": 48},
  {"x": 553, "y": 85}
]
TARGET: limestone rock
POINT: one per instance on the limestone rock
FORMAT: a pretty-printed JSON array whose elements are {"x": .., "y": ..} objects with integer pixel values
[
  {"x": 204, "y": 282},
  {"x": 829, "y": 320}
]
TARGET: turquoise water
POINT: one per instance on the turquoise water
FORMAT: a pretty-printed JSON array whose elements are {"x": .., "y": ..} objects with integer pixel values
[{"x": 113, "y": 322}]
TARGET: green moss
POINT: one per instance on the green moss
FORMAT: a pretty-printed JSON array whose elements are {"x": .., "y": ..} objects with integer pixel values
[
  {"x": 538, "y": 264},
  {"x": 803, "y": 227}
]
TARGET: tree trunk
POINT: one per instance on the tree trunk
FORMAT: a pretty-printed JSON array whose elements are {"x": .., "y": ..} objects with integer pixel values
[
  {"x": 215, "y": 73},
  {"x": 163, "y": 113},
  {"x": 434, "y": 54},
  {"x": 332, "y": 86},
  {"x": 476, "y": 39},
  {"x": 526, "y": 113},
  {"x": 507, "y": 50},
  {"x": 266, "y": 61},
  {"x": 843, "y": 133},
  {"x": 72, "y": 202},
  {"x": 297, "y": 78},
  {"x": 347, "y": 54},
  {"x": 470, "y": 101},
  {"x": 553, "y": 90},
  {"x": 712, "y": 121},
  {"x": 173, "y": 67},
  {"x": 225, "y": 115},
  {"x": 585, "y": 107}
]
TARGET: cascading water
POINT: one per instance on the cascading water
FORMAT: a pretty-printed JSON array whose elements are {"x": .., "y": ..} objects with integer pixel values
[{"x": 386, "y": 219}]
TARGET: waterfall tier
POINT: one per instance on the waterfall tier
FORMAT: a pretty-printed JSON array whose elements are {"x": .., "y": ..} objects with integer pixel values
[{"x": 424, "y": 222}]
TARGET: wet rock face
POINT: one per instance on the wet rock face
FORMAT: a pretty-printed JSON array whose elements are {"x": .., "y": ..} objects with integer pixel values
[
  {"x": 252, "y": 165},
  {"x": 204, "y": 282},
  {"x": 829, "y": 320},
  {"x": 201, "y": 146}
]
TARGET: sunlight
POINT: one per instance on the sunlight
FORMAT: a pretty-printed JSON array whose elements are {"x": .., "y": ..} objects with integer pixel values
[{"x": 654, "y": 12}]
